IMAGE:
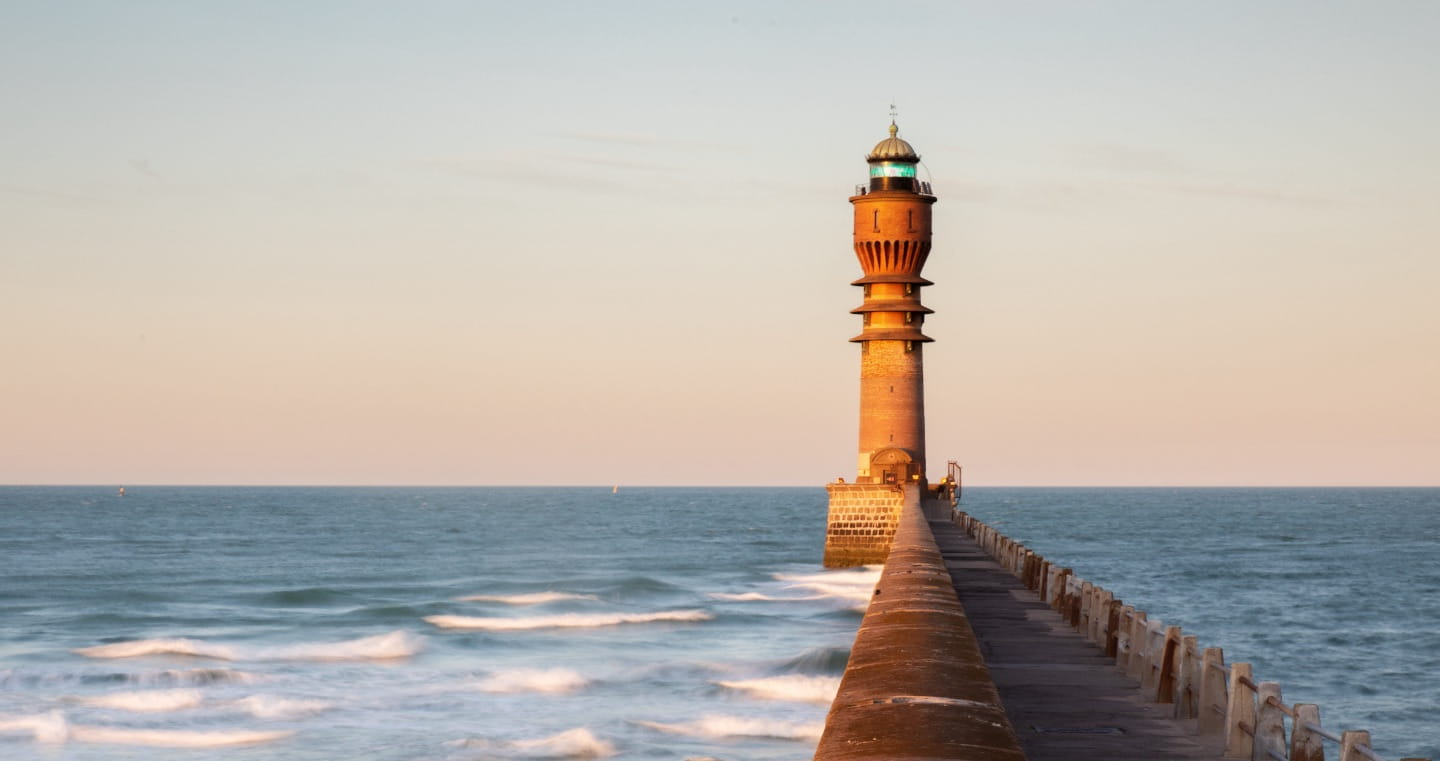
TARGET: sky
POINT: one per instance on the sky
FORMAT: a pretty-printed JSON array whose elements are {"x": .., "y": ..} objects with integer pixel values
[{"x": 560, "y": 243}]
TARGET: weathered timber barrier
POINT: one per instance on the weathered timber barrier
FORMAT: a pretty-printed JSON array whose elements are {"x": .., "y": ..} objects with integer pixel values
[
  {"x": 1172, "y": 668},
  {"x": 916, "y": 685}
]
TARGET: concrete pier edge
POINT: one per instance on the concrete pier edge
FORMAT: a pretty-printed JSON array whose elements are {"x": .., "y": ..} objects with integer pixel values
[{"x": 916, "y": 685}]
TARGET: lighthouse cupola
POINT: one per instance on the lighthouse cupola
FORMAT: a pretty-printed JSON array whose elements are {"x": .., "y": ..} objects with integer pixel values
[{"x": 892, "y": 163}]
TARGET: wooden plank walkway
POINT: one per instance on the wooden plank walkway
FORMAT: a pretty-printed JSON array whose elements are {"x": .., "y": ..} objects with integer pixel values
[{"x": 1066, "y": 700}]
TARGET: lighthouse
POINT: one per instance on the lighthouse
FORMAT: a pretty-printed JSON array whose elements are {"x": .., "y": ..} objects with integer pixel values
[{"x": 892, "y": 238}]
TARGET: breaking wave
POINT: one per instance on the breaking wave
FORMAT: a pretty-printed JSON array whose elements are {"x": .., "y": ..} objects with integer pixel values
[
  {"x": 533, "y": 598},
  {"x": 855, "y": 585},
  {"x": 53, "y": 728},
  {"x": 718, "y": 726},
  {"x": 179, "y": 646},
  {"x": 147, "y": 701},
  {"x": 271, "y": 707},
  {"x": 573, "y": 743},
  {"x": 761, "y": 597},
  {"x": 396, "y": 644},
  {"x": 564, "y": 621},
  {"x": 533, "y": 680},
  {"x": 799, "y": 688}
]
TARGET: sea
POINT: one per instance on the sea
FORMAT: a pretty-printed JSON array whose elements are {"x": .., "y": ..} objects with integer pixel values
[{"x": 468, "y": 624}]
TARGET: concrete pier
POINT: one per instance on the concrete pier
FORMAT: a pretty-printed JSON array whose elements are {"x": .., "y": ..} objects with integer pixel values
[
  {"x": 916, "y": 685},
  {"x": 957, "y": 659},
  {"x": 1066, "y": 699}
]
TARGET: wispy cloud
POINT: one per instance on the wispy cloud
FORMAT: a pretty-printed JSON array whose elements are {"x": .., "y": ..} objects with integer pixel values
[{"x": 142, "y": 165}]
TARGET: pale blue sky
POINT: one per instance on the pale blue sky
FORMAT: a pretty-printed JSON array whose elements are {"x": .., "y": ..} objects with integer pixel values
[{"x": 325, "y": 242}]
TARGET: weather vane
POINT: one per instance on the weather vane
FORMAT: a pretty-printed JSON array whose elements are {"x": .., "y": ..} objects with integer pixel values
[{"x": 893, "y": 112}]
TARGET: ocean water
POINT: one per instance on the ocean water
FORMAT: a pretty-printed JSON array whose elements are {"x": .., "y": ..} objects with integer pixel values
[
  {"x": 507, "y": 623},
  {"x": 447, "y": 624}
]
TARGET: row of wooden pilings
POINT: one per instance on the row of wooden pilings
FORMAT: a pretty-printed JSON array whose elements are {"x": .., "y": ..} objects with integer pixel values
[{"x": 1171, "y": 667}]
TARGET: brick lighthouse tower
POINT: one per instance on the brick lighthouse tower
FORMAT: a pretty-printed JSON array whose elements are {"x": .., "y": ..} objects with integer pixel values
[{"x": 892, "y": 241}]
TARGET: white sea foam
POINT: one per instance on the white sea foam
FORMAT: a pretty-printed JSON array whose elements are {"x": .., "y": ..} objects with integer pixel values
[
  {"x": 53, "y": 728},
  {"x": 173, "y": 738},
  {"x": 533, "y": 680},
  {"x": 717, "y": 726},
  {"x": 48, "y": 727},
  {"x": 574, "y": 743},
  {"x": 271, "y": 707},
  {"x": 379, "y": 647},
  {"x": 761, "y": 597},
  {"x": 396, "y": 644},
  {"x": 147, "y": 701},
  {"x": 793, "y": 687},
  {"x": 856, "y": 585},
  {"x": 533, "y": 598},
  {"x": 175, "y": 646},
  {"x": 564, "y": 621}
]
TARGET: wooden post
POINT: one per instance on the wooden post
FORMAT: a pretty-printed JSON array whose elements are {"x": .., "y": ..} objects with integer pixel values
[
  {"x": 1187, "y": 678},
  {"x": 1138, "y": 634},
  {"x": 1305, "y": 743},
  {"x": 1123, "y": 645},
  {"x": 1350, "y": 740},
  {"x": 1270, "y": 724},
  {"x": 1077, "y": 599},
  {"x": 1154, "y": 656},
  {"x": 1112, "y": 628},
  {"x": 1099, "y": 615},
  {"x": 1044, "y": 584},
  {"x": 1169, "y": 666},
  {"x": 1087, "y": 603},
  {"x": 1240, "y": 714},
  {"x": 1213, "y": 698},
  {"x": 1212, "y": 692}
]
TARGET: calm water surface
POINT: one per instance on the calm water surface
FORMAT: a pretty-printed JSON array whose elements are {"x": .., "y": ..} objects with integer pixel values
[{"x": 497, "y": 623}]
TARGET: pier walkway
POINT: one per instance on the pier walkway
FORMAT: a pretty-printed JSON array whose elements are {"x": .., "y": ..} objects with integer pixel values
[
  {"x": 974, "y": 648},
  {"x": 1064, "y": 698}
]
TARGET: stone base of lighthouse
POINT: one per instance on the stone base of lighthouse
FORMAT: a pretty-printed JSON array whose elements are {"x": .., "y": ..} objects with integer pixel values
[{"x": 863, "y": 517}]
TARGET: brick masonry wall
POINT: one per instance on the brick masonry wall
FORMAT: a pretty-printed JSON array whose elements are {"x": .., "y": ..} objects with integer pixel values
[
  {"x": 862, "y": 520},
  {"x": 892, "y": 399}
]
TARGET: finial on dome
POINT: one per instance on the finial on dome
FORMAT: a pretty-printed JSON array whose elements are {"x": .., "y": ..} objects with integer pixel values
[{"x": 893, "y": 148}]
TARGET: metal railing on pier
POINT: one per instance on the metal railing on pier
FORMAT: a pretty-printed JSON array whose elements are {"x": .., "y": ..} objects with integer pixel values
[{"x": 1171, "y": 668}]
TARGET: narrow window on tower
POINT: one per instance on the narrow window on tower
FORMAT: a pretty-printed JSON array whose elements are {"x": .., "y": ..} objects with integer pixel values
[
  {"x": 909, "y": 316},
  {"x": 909, "y": 346},
  {"x": 866, "y": 319},
  {"x": 876, "y": 223},
  {"x": 909, "y": 288},
  {"x": 867, "y": 290},
  {"x": 910, "y": 220}
]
